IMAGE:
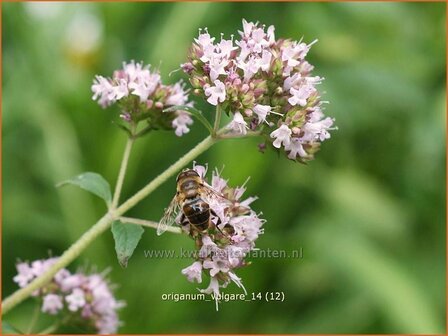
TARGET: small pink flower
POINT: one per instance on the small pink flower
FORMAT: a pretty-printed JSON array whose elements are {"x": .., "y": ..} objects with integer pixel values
[
  {"x": 201, "y": 170},
  {"x": 218, "y": 264},
  {"x": 61, "y": 275},
  {"x": 141, "y": 90},
  {"x": 292, "y": 81},
  {"x": 178, "y": 96},
  {"x": 262, "y": 111},
  {"x": 237, "y": 281},
  {"x": 238, "y": 124},
  {"x": 295, "y": 147},
  {"x": 208, "y": 246},
  {"x": 76, "y": 299},
  {"x": 181, "y": 123},
  {"x": 218, "y": 183},
  {"x": 271, "y": 34},
  {"x": 41, "y": 266},
  {"x": 108, "y": 324},
  {"x": 71, "y": 282},
  {"x": 103, "y": 91},
  {"x": 121, "y": 89},
  {"x": 87, "y": 311},
  {"x": 52, "y": 304},
  {"x": 265, "y": 61},
  {"x": 282, "y": 135},
  {"x": 193, "y": 272},
  {"x": 250, "y": 67},
  {"x": 205, "y": 39},
  {"x": 217, "y": 67},
  {"x": 258, "y": 40},
  {"x": 247, "y": 28},
  {"x": 318, "y": 130},
  {"x": 225, "y": 48},
  {"x": 300, "y": 96},
  {"x": 216, "y": 94},
  {"x": 213, "y": 288},
  {"x": 25, "y": 274}
]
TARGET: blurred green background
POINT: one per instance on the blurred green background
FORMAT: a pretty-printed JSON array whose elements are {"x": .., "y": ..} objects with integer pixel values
[{"x": 369, "y": 212}]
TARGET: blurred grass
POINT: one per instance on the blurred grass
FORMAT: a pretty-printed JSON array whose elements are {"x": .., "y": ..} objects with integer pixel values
[{"x": 369, "y": 212}]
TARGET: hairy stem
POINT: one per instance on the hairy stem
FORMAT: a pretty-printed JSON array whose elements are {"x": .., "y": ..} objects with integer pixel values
[
  {"x": 102, "y": 225},
  {"x": 121, "y": 174},
  {"x": 217, "y": 119},
  {"x": 147, "y": 223}
]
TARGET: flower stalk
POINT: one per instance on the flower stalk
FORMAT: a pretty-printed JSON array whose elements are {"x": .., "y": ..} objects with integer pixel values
[
  {"x": 217, "y": 119},
  {"x": 124, "y": 165}
]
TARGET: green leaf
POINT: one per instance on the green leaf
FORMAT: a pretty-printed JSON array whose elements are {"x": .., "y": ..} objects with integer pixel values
[
  {"x": 9, "y": 329},
  {"x": 194, "y": 112},
  {"x": 92, "y": 182},
  {"x": 126, "y": 238}
]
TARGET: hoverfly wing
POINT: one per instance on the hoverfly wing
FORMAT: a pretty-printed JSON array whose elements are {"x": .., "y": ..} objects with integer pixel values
[
  {"x": 213, "y": 196},
  {"x": 169, "y": 217}
]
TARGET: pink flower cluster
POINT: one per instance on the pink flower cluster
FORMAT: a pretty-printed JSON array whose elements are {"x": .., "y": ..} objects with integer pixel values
[
  {"x": 142, "y": 96},
  {"x": 223, "y": 249},
  {"x": 265, "y": 84},
  {"x": 86, "y": 298}
]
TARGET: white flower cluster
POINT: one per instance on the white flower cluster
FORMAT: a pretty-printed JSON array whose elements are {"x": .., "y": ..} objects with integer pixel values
[
  {"x": 266, "y": 84},
  {"x": 81, "y": 297},
  {"x": 223, "y": 250},
  {"x": 142, "y": 96}
]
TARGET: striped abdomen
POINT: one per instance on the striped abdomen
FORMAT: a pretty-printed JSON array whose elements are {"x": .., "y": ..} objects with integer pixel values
[{"x": 197, "y": 212}]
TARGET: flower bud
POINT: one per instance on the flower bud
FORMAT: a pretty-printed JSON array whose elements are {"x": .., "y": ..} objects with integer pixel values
[{"x": 187, "y": 68}]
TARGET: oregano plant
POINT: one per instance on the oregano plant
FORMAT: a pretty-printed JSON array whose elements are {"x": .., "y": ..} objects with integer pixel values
[{"x": 265, "y": 85}]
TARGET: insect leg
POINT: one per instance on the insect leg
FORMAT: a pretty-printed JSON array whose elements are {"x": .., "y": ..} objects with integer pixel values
[{"x": 183, "y": 220}]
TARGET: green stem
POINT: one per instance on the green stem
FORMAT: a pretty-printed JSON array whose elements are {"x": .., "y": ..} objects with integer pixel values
[
  {"x": 102, "y": 225},
  {"x": 34, "y": 319},
  {"x": 217, "y": 119},
  {"x": 147, "y": 223},
  {"x": 50, "y": 329},
  {"x": 121, "y": 174}
]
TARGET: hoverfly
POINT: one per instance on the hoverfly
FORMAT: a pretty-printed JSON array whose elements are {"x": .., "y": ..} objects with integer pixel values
[{"x": 192, "y": 199}]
